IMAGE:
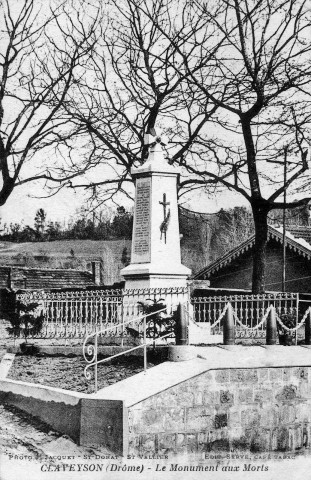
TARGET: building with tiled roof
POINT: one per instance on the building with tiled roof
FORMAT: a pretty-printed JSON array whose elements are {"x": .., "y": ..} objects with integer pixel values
[
  {"x": 24, "y": 278},
  {"x": 234, "y": 269}
]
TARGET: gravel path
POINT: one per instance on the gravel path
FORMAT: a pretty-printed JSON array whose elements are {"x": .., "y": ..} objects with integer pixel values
[{"x": 26, "y": 444}]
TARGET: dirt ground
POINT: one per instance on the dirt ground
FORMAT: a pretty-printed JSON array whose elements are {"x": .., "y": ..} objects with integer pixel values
[
  {"x": 28, "y": 445},
  {"x": 68, "y": 372},
  {"x": 30, "y": 450}
]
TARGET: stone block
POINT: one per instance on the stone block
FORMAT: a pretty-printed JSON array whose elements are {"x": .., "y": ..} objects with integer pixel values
[
  {"x": 147, "y": 445},
  {"x": 226, "y": 397},
  {"x": 151, "y": 420},
  {"x": 192, "y": 444},
  {"x": 304, "y": 390},
  {"x": 287, "y": 414},
  {"x": 298, "y": 437},
  {"x": 275, "y": 375},
  {"x": 263, "y": 375},
  {"x": 301, "y": 373},
  {"x": 243, "y": 442},
  {"x": 303, "y": 412},
  {"x": 205, "y": 379},
  {"x": 166, "y": 443},
  {"x": 183, "y": 395},
  {"x": 133, "y": 445},
  {"x": 306, "y": 435},
  {"x": 102, "y": 423},
  {"x": 280, "y": 439},
  {"x": 260, "y": 441},
  {"x": 250, "y": 418},
  {"x": 181, "y": 443},
  {"x": 242, "y": 375},
  {"x": 170, "y": 397},
  {"x": 218, "y": 442},
  {"x": 220, "y": 420},
  {"x": 245, "y": 394},
  {"x": 202, "y": 441},
  {"x": 295, "y": 438},
  {"x": 287, "y": 375},
  {"x": 269, "y": 416},
  {"x": 234, "y": 419},
  {"x": 174, "y": 419},
  {"x": 286, "y": 393},
  {"x": 198, "y": 397},
  {"x": 263, "y": 395},
  {"x": 199, "y": 418},
  {"x": 211, "y": 397},
  {"x": 222, "y": 376}
]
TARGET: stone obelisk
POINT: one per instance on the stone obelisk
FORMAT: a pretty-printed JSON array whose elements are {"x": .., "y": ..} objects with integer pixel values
[{"x": 155, "y": 258}]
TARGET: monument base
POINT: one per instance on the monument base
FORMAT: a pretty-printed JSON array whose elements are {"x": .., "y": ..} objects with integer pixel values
[{"x": 142, "y": 275}]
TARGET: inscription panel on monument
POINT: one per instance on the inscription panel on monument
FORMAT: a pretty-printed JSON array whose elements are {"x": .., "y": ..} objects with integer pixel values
[{"x": 141, "y": 240}]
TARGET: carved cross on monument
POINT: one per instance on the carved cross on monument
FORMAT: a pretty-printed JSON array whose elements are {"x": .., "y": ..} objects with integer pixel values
[{"x": 166, "y": 217}]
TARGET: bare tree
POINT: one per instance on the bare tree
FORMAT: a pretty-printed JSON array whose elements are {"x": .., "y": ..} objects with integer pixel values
[
  {"x": 43, "y": 48},
  {"x": 262, "y": 72},
  {"x": 135, "y": 82},
  {"x": 227, "y": 82}
]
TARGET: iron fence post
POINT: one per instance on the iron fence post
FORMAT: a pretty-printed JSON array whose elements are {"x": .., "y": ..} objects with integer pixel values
[
  {"x": 271, "y": 327},
  {"x": 122, "y": 317},
  {"x": 308, "y": 329},
  {"x": 181, "y": 326},
  {"x": 229, "y": 328},
  {"x": 96, "y": 361},
  {"x": 145, "y": 346},
  {"x": 297, "y": 317}
]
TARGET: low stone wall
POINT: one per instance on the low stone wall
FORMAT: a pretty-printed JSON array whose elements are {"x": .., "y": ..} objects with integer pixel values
[
  {"x": 193, "y": 406},
  {"x": 88, "y": 421},
  {"x": 256, "y": 409},
  {"x": 104, "y": 350}
]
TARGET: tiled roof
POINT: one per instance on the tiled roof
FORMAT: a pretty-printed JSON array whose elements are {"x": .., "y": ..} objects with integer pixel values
[
  {"x": 39, "y": 278},
  {"x": 300, "y": 231},
  {"x": 301, "y": 246}
]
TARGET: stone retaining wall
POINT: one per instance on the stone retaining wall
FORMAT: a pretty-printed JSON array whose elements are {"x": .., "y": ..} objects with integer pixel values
[
  {"x": 87, "y": 420},
  {"x": 256, "y": 409}
]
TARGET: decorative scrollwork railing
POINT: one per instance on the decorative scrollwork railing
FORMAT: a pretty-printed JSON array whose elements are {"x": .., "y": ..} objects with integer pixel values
[
  {"x": 76, "y": 314},
  {"x": 243, "y": 330},
  {"x": 250, "y": 309},
  {"x": 90, "y": 350}
]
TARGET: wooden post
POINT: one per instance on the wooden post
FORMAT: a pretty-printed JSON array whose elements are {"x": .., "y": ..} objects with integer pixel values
[
  {"x": 271, "y": 328},
  {"x": 229, "y": 329}
]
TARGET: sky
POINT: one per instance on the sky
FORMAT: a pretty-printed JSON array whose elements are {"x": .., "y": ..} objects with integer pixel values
[{"x": 21, "y": 206}]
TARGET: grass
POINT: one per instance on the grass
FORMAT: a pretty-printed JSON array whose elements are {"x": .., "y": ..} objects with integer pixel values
[{"x": 63, "y": 247}]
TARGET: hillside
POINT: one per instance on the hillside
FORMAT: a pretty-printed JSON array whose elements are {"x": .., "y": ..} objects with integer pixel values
[
  {"x": 68, "y": 254},
  {"x": 81, "y": 248},
  {"x": 204, "y": 238}
]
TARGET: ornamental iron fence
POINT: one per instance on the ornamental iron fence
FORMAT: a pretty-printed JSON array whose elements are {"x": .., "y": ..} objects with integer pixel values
[
  {"x": 250, "y": 310},
  {"x": 77, "y": 314}
]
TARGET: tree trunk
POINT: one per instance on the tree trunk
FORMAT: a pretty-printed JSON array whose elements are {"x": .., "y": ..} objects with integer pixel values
[
  {"x": 260, "y": 214},
  {"x": 6, "y": 190}
]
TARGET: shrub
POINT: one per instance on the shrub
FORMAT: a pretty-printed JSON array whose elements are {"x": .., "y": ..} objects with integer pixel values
[
  {"x": 158, "y": 324},
  {"x": 26, "y": 320},
  {"x": 286, "y": 337}
]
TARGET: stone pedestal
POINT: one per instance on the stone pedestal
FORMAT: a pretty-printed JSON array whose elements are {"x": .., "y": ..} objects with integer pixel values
[{"x": 155, "y": 259}]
